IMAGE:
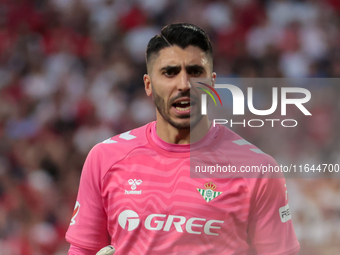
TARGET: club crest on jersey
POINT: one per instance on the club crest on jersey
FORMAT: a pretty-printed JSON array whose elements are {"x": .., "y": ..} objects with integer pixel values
[{"x": 209, "y": 194}]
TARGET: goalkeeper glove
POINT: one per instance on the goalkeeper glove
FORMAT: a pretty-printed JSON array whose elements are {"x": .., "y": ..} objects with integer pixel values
[{"x": 107, "y": 250}]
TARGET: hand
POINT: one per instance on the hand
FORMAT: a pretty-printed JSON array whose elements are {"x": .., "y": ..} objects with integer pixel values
[{"x": 107, "y": 250}]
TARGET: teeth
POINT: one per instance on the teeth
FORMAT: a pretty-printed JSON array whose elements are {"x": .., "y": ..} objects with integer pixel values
[
  {"x": 184, "y": 102},
  {"x": 183, "y": 109}
]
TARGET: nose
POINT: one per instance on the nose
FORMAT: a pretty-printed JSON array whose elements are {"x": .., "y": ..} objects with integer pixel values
[{"x": 184, "y": 82}]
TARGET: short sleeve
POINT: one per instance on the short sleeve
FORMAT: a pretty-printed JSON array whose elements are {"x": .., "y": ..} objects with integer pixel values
[
  {"x": 270, "y": 226},
  {"x": 88, "y": 227}
]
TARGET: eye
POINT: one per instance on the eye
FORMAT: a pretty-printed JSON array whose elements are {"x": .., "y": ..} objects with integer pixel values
[
  {"x": 195, "y": 72},
  {"x": 171, "y": 72}
]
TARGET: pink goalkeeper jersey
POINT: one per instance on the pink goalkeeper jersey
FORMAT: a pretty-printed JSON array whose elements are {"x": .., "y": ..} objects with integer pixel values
[{"x": 136, "y": 194}]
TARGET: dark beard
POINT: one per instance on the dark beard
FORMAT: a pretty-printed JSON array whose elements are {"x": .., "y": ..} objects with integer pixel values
[{"x": 160, "y": 105}]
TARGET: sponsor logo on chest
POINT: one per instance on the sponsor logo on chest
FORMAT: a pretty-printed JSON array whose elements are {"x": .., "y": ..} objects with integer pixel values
[{"x": 130, "y": 220}]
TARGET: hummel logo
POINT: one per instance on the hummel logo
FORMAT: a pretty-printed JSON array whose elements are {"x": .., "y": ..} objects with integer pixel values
[{"x": 134, "y": 183}]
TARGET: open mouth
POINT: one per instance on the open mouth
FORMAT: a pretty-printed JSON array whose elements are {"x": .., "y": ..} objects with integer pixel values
[{"x": 183, "y": 106}]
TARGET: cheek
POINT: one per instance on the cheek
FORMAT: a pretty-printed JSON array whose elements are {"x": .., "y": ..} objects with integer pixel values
[
  {"x": 158, "y": 93},
  {"x": 164, "y": 87},
  {"x": 162, "y": 91}
]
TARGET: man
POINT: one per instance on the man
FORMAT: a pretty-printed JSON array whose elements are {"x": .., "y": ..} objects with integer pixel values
[{"x": 136, "y": 192}]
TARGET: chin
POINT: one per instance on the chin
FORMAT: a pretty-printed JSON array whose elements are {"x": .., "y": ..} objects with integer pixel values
[
  {"x": 184, "y": 123},
  {"x": 180, "y": 124}
]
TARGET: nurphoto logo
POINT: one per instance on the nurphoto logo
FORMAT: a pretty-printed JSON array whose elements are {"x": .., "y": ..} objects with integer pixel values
[
  {"x": 204, "y": 97},
  {"x": 295, "y": 96}
]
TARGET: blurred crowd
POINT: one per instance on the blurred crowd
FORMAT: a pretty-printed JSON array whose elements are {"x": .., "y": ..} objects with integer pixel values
[{"x": 71, "y": 76}]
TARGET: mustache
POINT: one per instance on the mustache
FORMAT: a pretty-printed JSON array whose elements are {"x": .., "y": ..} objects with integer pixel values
[{"x": 184, "y": 94}]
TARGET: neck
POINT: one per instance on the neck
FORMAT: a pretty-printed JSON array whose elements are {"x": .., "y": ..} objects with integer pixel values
[{"x": 170, "y": 134}]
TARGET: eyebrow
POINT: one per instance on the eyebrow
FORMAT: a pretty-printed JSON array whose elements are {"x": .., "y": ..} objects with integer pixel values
[
  {"x": 188, "y": 68},
  {"x": 169, "y": 67}
]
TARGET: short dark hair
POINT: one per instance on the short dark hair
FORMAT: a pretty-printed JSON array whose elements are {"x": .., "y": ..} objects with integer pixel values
[{"x": 182, "y": 35}]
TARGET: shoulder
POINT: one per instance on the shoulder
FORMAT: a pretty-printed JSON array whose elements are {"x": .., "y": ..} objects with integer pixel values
[
  {"x": 241, "y": 151},
  {"x": 249, "y": 161},
  {"x": 124, "y": 142},
  {"x": 105, "y": 154}
]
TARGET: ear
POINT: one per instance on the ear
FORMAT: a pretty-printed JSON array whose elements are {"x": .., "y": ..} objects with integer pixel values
[
  {"x": 213, "y": 79},
  {"x": 147, "y": 84}
]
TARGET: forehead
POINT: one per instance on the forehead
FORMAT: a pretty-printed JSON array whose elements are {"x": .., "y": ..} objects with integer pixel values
[{"x": 175, "y": 56}]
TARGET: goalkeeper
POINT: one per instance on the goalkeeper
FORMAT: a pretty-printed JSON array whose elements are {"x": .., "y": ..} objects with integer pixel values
[{"x": 136, "y": 193}]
